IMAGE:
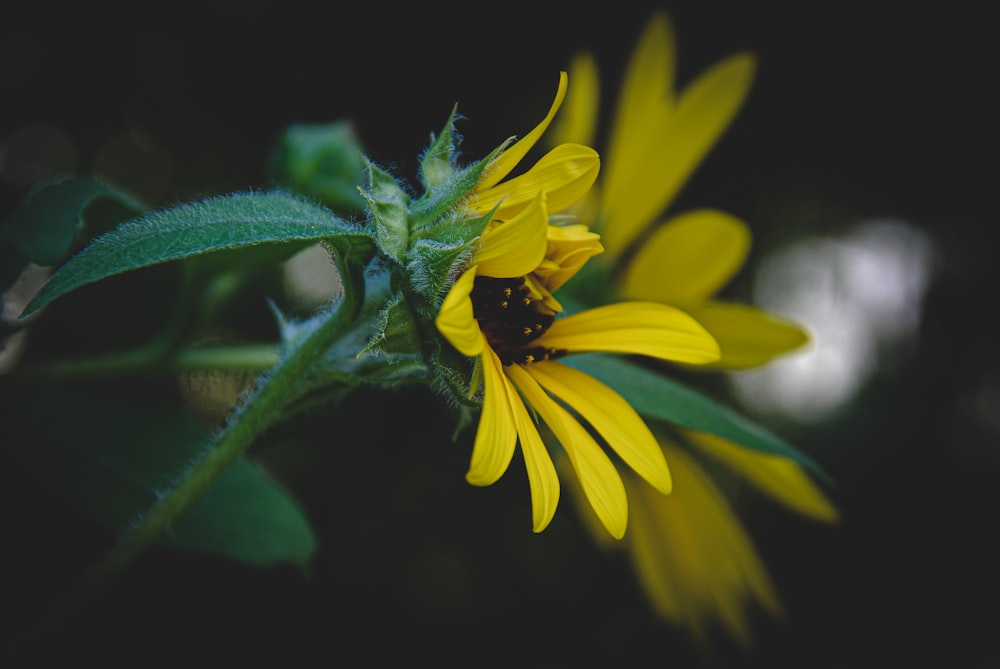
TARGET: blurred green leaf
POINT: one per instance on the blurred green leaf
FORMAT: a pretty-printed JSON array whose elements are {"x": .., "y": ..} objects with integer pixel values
[
  {"x": 656, "y": 396},
  {"x": 217, "y": 224},
  {"x": 110, "y": 456},
  {"x": 52, "y": 218}
]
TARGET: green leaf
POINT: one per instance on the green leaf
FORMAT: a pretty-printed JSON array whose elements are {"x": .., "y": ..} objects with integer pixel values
[
  {"x": 246, "y": 515},
  {"x": 109, "y": 457},
  {"x": 52, "y": 217},
  {"x": 656, "y": 396},
  {"x": 217, "y": 224}
]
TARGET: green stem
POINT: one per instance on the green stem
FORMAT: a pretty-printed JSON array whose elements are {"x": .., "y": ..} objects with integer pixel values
[
  {"x": 153, "y": 359},
  {"x": 261, "y": 410},
  {"x": 244, "y": 357}
]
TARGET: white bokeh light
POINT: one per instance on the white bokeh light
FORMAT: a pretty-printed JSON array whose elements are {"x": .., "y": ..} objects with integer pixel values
[{"x": 858, "y": 295}]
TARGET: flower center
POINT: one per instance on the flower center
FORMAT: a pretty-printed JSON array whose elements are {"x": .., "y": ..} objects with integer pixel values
[{"x": 511, "y": 318}]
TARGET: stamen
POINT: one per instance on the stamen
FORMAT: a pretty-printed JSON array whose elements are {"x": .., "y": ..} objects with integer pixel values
[{"x": 509, "y": 325}]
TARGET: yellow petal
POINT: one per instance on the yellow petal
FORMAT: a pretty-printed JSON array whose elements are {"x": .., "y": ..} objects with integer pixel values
[
  {"x": 496, "y": 435},
  {"x": 516, "y": 247},
  {"x": 747, "y": 336},
  {"x": 577, "y": 122},
  {"x": 687, "y": 259},
  {"x": 694, "y": 558},
  {"x": 780, "y": 478},
  {"x": 455, "y": 318},
  {"x": 674, "y": 144},
  {"x": 565, "y": 174},
  {"x": 600, "y": 481},
  {"x": 510, "y": 157},
  {"x": 644, "y": 328},
  {"x": 612, "y": 417},
  {"x": 542, "y": 478}
]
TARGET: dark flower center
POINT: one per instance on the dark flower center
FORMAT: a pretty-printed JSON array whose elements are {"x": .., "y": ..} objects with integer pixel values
[{"x": 511, "y": 319}]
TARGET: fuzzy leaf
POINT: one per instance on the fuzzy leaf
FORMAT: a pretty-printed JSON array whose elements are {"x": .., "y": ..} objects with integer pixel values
[{"x": 217, "y": 224}]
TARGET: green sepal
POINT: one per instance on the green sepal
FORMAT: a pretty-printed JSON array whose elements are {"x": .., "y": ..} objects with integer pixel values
[
  {"x": 431, "y": 266},
  {"x": 53, "y": 217},
  {"x": 656, "y": 396},
  {"x": 438, "y": 162},
  {"x": 437, "y": 256},
  {"x": 396, "y": 331},
  {"x": 324, "y": 161},
  {"x": 357, "y": 355},
  {"x": 217, "y": 224},
  {"x": 112, "y": 457},
  {"x": 387, "y": 206},
  {"x": 373, "y": 351},
  {"x": 435, "y": 203}
]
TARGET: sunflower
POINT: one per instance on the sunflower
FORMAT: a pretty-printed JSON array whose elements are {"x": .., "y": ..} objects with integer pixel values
[
  {"x": 693, "y": 556},
  {"x": 501, "y": 312}
]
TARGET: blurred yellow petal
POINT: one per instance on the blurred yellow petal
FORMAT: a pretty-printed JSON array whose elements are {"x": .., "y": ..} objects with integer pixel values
[
  {"x": 455, "y": 318},
  {"x": 645, "y": 101},
  {"x": 511, "y": 156},
  {"x": 748, "y": 336},
  {"x": 496, "y": 436},
  {"x": 688, "y": 258},
  {"x": 612, "y": 417},
  {"x": 564, "y": 174},
  {"x": 600, "y": 481},
  {"x": 515, "y": 247},
  {"x": 649, "y": 76},
  {"x": 673, "y": 147},
  {"x": 577, "y": 122},
  {"x": 644, "y": 328},
  {"x": 778, "y": 477},
  {"x": 695, "y": 560}
]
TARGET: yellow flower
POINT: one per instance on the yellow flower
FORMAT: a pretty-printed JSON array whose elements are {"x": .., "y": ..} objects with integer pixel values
[
  {"x": 501, "y": 311},
  {"x": 693, "y": 556}
]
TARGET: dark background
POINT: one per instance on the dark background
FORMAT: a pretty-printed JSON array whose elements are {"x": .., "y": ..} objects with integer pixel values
[{"x": 854, "y": 113}]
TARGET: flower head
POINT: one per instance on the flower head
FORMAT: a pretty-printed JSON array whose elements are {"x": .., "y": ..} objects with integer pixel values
[{"x": 502, "y": 312}]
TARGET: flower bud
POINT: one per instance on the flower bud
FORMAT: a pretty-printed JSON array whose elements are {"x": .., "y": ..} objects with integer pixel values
[{"x": 323, "y": 161}]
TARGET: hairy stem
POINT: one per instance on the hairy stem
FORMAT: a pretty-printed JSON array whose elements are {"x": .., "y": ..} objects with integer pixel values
[{"x": 264, "y": 407}]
